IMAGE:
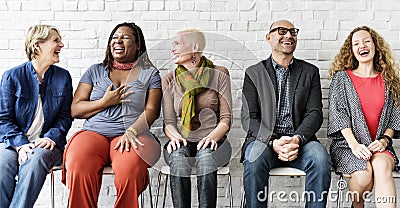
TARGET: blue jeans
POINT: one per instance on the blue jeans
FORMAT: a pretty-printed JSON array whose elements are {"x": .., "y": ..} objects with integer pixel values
[
  {"x": 312, "y": 159},
  {"x": 206, "y": 162},
  {"x": 31, "y": 175}
]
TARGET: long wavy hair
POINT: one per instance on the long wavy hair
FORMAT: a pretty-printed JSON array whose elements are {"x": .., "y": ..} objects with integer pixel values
[
  {"x": 383, "y": 61},
  {"x": 141, "y": 55}
]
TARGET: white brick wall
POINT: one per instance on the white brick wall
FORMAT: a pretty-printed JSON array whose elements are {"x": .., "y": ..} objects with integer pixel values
[{"x": 236, "y": 31}]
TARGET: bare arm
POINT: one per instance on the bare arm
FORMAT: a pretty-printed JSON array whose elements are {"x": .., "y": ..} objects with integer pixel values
[
  {"x": 171, "y": 132},
  {"x": 146, "y": 119},
  {"x": 151, "y": 111},
  {"x": 214, "y": 137},
  {"x": 381, "y": 144},
  {"x": 389, "y": 132}
]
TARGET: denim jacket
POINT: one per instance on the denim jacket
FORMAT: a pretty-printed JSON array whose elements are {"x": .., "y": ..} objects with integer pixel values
[{"x": 19, "y": 90}]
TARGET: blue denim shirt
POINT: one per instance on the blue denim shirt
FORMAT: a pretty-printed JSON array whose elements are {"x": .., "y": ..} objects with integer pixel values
[{"x": 19, "y": 90}]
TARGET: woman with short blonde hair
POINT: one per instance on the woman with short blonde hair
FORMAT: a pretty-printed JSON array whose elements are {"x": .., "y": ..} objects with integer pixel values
[
  {"x": 35, "y": 116},
  {"x": 197, "y": 107}
]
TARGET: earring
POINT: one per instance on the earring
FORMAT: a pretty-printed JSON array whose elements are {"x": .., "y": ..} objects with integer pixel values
[{"x": 193, "y": 59}]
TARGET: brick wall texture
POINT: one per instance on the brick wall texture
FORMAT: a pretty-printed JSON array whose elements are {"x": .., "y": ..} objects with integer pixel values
[{"x": 235, "y": 32}]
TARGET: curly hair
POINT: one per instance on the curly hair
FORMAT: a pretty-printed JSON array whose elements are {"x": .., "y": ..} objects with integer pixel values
[
  {"x": 141, "y": 56},
  {"x": 383, "y": 61}
]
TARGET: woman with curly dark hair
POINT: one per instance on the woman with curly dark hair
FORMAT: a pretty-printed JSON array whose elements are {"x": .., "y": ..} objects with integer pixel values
[{"x": 364, "y": 115}]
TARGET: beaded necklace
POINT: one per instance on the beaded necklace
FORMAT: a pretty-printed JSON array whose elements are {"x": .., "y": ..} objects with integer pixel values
[{"x": 123, "y": 66}]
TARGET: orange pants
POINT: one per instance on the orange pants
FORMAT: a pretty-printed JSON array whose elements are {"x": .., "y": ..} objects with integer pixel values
[{"x": 85, "y": 156}]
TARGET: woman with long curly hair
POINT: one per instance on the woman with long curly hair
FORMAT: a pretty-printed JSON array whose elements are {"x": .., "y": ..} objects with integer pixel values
[{"x": 364, "y": 115}]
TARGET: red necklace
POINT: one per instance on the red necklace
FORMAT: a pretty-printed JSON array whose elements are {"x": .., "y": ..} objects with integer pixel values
[{"x": 123, "y": 66}]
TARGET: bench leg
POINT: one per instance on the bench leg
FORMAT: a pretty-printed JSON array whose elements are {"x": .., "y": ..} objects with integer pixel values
[
  {"x": 243, "y": 200},
  {"x": 52, "y": 188},
  {"x": 165, "y": 190},
  {"x": 230, "y": 190},
  {"x": 151, "y": 196},
  {"x": 158, "y": 188}
]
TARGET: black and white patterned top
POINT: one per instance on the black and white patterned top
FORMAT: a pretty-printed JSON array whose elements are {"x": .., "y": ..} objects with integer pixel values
[
  {"x": 284, "y": 123},
  {"x": 345, "y": 112}
]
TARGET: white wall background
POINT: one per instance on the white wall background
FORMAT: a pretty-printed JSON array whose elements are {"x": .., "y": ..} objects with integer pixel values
[{"x": 235, "y": 31}]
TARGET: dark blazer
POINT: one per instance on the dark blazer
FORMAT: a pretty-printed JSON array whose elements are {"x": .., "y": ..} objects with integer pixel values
[{"x": 259, "y": 101}]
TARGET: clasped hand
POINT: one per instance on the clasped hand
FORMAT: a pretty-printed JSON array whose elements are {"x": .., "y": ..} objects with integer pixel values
[{"x": 286, "y": 147}]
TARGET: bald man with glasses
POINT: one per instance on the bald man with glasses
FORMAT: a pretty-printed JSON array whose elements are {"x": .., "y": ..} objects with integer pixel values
[{"x": 281, "y": 113}]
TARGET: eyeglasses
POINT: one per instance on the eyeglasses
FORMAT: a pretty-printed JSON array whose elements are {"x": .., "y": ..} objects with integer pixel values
[{"x": 284, "y": 30}]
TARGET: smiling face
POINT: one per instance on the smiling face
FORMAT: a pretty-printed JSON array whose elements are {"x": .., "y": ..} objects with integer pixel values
[
  {"x": 282, "y": 44},
  {"x": 123, "y": 45},
  {"x": 49, "y": 50},
  {"x": 363, "y": 46},
  {"x": 182, "y": 49}
]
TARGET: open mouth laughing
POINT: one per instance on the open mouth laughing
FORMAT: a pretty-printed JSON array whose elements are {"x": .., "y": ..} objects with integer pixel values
[
  {"x": 363, "y": 53},
  {"x": 119, "y": 49}
]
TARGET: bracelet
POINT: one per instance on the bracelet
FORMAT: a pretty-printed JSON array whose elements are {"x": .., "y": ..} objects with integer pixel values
[
  {"x": 134, "y": 132},
  {"x": 388, "y": 138}
]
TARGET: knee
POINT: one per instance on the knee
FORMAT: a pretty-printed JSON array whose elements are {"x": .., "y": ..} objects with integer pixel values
[
  {"x": 134, "y": 170},
  {"x": 362, "y": 179},
  {"x": 180, "y": 166},
  {"x": 8, "y": 164},
  {"x": 258, "y": 155},
  {"x": 75, "y": 163},
  {"x": 205, "y": 162},
  {"x": 317, "y": 157},
  {"x": 43, "y": 158},
  {"x": 382, "y": 169},
  {"x": 256, "y": 166},
  {"x": 179, "y": 159}
]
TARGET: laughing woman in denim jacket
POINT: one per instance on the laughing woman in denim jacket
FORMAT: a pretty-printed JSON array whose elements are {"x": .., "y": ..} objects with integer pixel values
[{"x": 32, "y": 130}]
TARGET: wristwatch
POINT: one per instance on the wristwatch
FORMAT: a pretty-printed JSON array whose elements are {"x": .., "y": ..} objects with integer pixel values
[
  {"x": 302, "y": 139},
  {"x": 271, "y": 144}
]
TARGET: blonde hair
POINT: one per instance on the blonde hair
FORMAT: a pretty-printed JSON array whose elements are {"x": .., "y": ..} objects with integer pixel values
[
  {"x": 383, "y": 61},
  {"x": 36, "y": 34},
  {"x": 194, "y": 36}
]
